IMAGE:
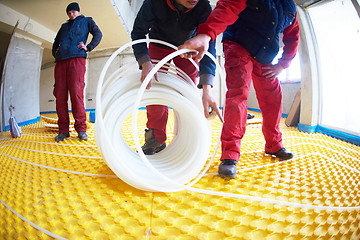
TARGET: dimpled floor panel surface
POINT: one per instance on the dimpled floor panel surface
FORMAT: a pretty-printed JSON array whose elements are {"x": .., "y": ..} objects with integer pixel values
[{"x": 65, "y": 190}]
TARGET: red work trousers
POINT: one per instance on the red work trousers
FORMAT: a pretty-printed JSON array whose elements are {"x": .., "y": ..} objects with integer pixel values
[
  {"x": 157, "y": 115},
  {"x": 69, "y": 79},
  {"x": 241, "y": 68}
]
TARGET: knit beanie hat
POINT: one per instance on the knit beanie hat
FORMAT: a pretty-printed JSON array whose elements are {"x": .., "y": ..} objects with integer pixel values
[{"x": 73, "y": 6}]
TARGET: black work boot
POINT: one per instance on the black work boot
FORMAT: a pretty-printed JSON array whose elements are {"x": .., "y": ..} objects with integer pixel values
[
  {"x": 82, "y": 135},
  {"x": 227, "y": 168},
  {"x": 282, "y": 154},
  {"x": 151, "y": 145},
  {"x": 61, "y": 136},
  {"x": 250, "y": 116}
]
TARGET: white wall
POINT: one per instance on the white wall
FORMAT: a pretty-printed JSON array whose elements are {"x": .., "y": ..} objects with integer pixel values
[
  {"x": 96, "y": 64},
  {"x": 21, "y": 81},
  {"x": 47, "y": 98}
]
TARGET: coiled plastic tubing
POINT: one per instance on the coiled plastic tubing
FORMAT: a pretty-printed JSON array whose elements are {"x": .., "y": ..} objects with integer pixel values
[{"x": 183, "y": 161}]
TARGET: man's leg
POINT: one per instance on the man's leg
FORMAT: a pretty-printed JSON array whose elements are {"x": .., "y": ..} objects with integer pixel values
[
  {"x": 76, "y": 83},
  {"x": 269, "y": 95},
  {"x": 157, "y": 115},
  {"x": 61, "y": 94},
  {"x": 238, "y": 66}
]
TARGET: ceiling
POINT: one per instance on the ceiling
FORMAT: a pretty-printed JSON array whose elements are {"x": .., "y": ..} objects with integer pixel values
[{"x": 48, "y": 15}]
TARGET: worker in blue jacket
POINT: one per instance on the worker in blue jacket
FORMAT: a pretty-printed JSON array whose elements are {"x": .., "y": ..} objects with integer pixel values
[
  {"x": 172, "y": 21},
  {"x": 70, "y": 50}
]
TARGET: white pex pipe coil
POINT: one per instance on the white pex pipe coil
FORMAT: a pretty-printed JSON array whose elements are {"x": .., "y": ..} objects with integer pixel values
[{"x": 183, "y": 161}]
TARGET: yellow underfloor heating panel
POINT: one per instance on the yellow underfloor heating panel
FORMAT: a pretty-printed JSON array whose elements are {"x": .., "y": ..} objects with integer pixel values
[{"x": 65, "y": 190}]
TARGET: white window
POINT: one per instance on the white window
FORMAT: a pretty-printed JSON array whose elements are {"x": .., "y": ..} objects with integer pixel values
[{"x": 337, "y": 27}]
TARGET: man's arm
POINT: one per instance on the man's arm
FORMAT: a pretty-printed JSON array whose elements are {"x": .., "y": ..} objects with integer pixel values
[
  {"x": 96, "y": 33},
  {"x": 224, "y": 14},
  {"x": 56, "y": 44},
  {"x": 208, "y": 67},
  {"x": 291, "y": 37},
  {"x": 142, "y": 25},
  {"x": 207, "y": 74}
]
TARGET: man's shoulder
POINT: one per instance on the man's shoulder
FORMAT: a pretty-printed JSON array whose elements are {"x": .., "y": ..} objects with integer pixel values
[
  {"x": 205, "y": 2},
  {"x": 157, "y": 2},
  {"x": 203, "y": 6},
  {"x": 83, "y": 18}
]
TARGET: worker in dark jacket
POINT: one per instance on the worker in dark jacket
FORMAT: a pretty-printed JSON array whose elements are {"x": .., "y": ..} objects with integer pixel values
[
  {"x": 251, "y": 42},
  {"x": 172, "y": 21},
  {"x": 70, "y": 50}
]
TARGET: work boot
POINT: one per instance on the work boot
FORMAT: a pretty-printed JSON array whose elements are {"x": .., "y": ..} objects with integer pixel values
[
  {"x": 61, "y": 136},
  {"x": 151, "y": 145},
  {"x": 82, "y": 135},
  {"x": 227, "y": 168},
  {"x": 282, "y": 154},
  {"x": 250, "y": 116}
]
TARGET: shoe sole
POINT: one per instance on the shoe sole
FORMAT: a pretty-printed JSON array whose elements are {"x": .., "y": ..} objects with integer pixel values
[
  {"x": 281, "y": 159},
  {"x": 59, "y": 140},
  {"x": 162, "y": 147},
  {"x": 227, "y": 176}
]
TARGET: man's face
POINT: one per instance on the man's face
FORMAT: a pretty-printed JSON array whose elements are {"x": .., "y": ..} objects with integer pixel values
[
  {"x": 72, "y": 14},
  {"x": 188, "y": 3}
]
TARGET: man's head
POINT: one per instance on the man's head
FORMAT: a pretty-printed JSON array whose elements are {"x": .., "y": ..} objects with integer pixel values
[
  {"x": 187, "y": 3},
  {"x": 73, "y": 10}
]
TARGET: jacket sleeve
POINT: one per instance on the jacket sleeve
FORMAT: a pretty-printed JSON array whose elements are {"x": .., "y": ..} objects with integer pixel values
[
  {"x": 56, "y": 44},
  {"x": 207, "y": 67},
  {"x": 290, "y": 39},
  {"x": 143, "y": 22},
  {"x": 224, "y": 14},
  {"x": 96, "y": 33}
]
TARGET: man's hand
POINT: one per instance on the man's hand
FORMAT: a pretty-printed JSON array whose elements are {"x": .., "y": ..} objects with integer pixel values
[
  {"x": 146, "y": 68},
  {"x": 82, "y": 46},
  {"x": 208, "y": 101},
  {"x": 271, "y": 71},
  {"x": 200, "y": 44}
]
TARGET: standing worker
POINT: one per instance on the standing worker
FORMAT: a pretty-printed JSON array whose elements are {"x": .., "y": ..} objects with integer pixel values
[
  {"x": 251, "y": 42},
  {"x": 70, "y": 50},
  {"x": 172, "y": 21}
]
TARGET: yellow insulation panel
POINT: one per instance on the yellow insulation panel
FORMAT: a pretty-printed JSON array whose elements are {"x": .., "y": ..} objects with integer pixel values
[{"x": 65, "y": 190}]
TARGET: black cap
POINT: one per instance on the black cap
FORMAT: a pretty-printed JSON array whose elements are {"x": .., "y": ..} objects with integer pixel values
[{"x": 73, "y": 6}]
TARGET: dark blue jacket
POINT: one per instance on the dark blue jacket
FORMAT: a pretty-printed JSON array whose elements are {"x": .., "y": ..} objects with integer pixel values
[
  {"x": 71, "y": 33},
  {"x": 163, "y": 21},
  {"x": 258, "y": 26}
]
